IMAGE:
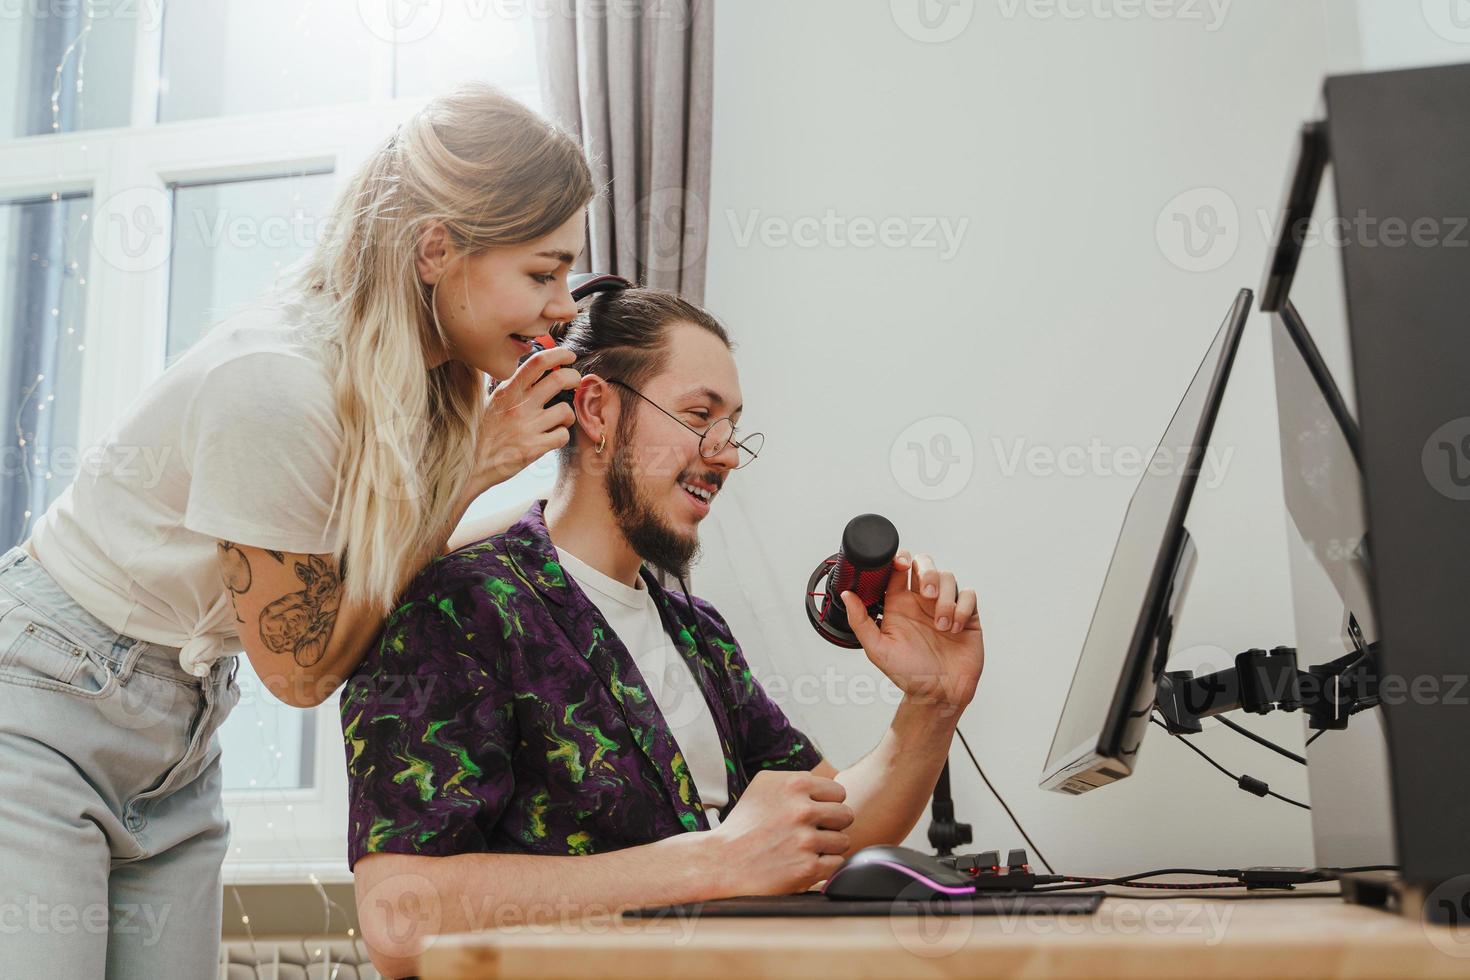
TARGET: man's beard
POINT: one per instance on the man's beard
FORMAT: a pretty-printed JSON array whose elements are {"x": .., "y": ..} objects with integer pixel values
[{"x": 655, "y": 541}]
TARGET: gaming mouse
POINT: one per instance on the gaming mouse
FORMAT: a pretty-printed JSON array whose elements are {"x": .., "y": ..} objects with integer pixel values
[{"x": 887, "y": 873}]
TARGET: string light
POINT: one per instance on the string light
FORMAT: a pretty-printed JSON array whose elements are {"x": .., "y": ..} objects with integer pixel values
[
  {"x": 80, "y": 39},
  {"x": 275, "y": 780}
]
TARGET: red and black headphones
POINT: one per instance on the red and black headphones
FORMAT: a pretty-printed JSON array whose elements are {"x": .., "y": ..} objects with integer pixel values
[
  {"x": 581, "y": 285},
  {"x": 585, "y": 284}
]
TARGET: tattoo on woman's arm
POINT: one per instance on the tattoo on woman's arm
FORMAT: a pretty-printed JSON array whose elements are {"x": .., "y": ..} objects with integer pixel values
[
  {"x": 236, "y": 569},
  {"x": 301, "y": 623}
]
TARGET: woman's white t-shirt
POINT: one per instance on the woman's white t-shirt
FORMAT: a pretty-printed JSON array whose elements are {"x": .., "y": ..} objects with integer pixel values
[{"x": 238, "y": 441}]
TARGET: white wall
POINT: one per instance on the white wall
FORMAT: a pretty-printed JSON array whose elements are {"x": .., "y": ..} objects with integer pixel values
[
  {"x": 1067, "y": 313},
  {"x": 1412, "y": 33}
]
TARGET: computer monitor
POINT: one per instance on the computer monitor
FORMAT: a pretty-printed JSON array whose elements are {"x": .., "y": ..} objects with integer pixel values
[
  {"x": 1331, "y": 585},
  {"x": 1327, "y": 539},
  {"x": 1320, "y": 469},
  {"x": 1397, "y": 144},
  {"x": 1107, "y": 709}
]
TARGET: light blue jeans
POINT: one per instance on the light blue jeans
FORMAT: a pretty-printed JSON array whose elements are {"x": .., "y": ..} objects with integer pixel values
[{"x": 112, "y": 830}]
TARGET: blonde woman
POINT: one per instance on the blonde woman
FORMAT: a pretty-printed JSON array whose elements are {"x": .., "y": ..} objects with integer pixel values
[{"x": 313, "y": 453}]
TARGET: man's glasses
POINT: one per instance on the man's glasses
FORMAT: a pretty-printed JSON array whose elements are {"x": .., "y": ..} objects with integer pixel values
[{"x": 713, "y": 440}]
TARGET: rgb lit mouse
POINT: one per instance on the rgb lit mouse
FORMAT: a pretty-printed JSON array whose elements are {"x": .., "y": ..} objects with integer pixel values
[{"x": 885, "y": 873}]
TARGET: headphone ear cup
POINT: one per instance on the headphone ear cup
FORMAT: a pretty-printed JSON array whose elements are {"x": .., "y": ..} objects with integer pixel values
[{"x": 585, "y": 284}]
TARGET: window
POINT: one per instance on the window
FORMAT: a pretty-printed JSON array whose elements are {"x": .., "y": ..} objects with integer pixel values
[
  {"x": 168, "y": 160},
  {"x": 71, "y": 69},
  {"x": 231, "y": 239},
  {"x": 43, "y": 252},
  {"x": 263, "y": 56}
]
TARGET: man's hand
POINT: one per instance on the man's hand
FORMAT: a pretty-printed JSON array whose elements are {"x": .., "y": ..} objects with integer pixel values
[
  {"x": 783, "y": 835},
  {"x": 929, "y": 644}
]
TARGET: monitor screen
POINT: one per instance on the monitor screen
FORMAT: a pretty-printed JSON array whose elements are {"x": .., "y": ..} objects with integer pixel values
[
  {"x": 1107, "y": 706},
  {"x": 1327, "y": 544}
]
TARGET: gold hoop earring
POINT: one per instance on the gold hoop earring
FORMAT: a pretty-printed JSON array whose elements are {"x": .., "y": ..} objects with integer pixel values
[{"x": 602, "y": 445}]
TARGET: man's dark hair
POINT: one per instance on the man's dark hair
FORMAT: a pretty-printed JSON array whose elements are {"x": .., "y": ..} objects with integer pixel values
[{"x": 624, "y": 335}]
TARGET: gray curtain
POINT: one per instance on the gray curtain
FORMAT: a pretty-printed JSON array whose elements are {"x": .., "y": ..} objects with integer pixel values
[
  {"x": 632, "y": 79},
  {"x": 33, "y": 288}
]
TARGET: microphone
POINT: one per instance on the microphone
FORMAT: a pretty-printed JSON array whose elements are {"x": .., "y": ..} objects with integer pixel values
[{"x": 862, "y": 567}]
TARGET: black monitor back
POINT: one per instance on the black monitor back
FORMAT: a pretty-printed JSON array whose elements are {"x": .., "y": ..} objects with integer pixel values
[{"x": 1400, "y": 148}]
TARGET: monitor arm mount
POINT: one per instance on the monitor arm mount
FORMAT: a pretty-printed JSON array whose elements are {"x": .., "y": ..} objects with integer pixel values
[{"x": 1268, "y": 680}]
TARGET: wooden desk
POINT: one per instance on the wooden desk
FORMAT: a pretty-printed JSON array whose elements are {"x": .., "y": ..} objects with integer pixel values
[{"x": 1135, "y": 934}]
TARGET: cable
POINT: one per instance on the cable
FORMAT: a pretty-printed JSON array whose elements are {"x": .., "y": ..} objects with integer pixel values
[
  {"x": 1175, "y": 886},
  {"x": 1317, "y": 736},
  {"x": 1248, "y": 783},
  {"x": 999, "y": 799},
  {"x": 1236, "y": 877},
  {"x": 1232, "y": 873},
  {"x": 1261, "y": 741},
  {"x": 1363, "y": 867}
]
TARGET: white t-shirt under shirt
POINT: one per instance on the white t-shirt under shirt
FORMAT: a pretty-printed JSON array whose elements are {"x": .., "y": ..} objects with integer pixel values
[
  {"x": 238, "y": 440},
  {"x": 634, "y": 618}
]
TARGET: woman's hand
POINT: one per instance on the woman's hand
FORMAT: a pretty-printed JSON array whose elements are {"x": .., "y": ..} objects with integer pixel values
[{"x": 517, "y": 428}]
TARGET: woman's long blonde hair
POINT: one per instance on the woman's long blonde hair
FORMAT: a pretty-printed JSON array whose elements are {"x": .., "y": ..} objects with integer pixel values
[{"x": 494, "y": 173}]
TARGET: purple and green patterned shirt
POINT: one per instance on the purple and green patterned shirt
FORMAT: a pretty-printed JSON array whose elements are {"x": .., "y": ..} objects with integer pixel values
[{"x": 500, "y": 713}]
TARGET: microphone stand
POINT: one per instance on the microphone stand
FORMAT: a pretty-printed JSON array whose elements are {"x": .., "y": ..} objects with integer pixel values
[{"x": 945, "y": 833}]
